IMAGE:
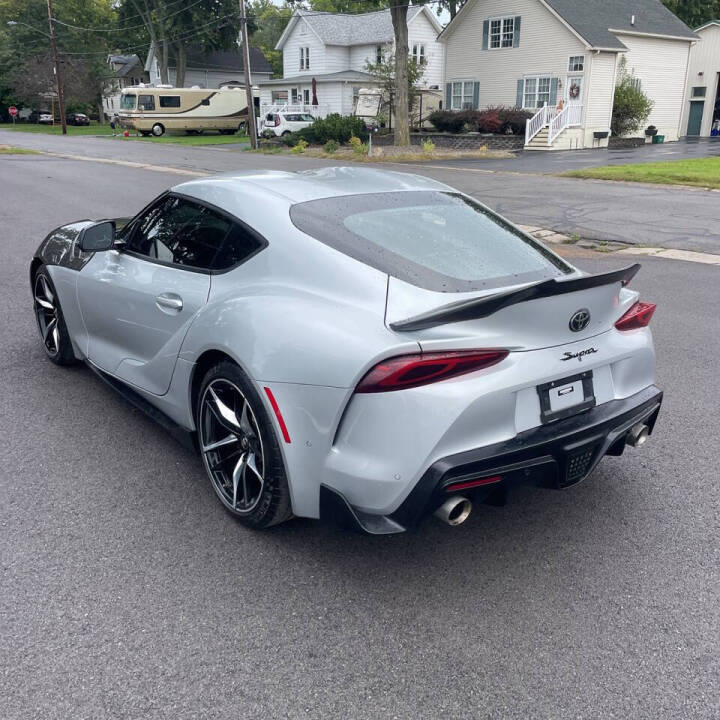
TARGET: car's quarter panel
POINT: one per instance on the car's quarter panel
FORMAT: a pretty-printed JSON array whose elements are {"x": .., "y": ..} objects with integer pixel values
[{"x": 131, "y": 334}]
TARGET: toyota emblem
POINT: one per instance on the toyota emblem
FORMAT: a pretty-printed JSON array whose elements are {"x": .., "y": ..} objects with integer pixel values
[{"x": 580, "y": 320}]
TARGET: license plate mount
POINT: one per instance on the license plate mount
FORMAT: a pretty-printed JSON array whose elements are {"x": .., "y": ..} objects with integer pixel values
[{"x": 565, "y": 397}]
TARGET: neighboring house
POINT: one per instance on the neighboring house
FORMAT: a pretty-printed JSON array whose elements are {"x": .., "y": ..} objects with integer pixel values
[
  {"x": 212, "y": 70},
  {"x": 125, "y": 71},
  {"x": 531, "y": 53},
  {"x": 701, "y": 114},
  {"x": 333, "y": 48}
]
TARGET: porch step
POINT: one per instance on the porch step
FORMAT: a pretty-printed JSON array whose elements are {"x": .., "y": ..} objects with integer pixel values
[{"x": 540, "y": 141}]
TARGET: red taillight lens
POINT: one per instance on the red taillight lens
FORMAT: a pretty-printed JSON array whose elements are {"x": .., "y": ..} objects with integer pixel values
[
  {"x": 638, "y": 316},
  {"x": 277, "y": 121},
  {"x": 408, "y": 371}
]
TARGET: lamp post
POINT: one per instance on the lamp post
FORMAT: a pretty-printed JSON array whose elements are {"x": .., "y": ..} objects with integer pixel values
[{"x": 56, "y": 62}]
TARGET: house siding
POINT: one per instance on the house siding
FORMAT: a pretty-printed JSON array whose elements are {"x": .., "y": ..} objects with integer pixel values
[
  {"x": 600, "y": 94},
  {"x": 422, "y": 32},
  {"x": 360, "y": 54},
  {"x": 212, "y": 78},
  {"x": 291, "y": 51},
  {"x": 705, "y": 59},
  {"x": 662, "y": 66},
  {"x": 545, "y": 47}
]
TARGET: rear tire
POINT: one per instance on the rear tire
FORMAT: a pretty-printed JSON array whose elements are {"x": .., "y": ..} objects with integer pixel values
[
  {"x": 285, "y": 134},
  {"x": 158, "y": 129},
  {"x": 240, "y": 449},
  {"x": 50, "y": 321}
]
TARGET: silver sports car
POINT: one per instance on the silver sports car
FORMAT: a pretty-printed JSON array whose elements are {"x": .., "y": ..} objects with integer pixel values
[{"x": 354, "y": 345}]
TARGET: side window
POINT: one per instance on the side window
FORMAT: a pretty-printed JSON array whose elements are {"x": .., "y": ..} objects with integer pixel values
[
  {"x": 169, "y": 101},
  {"x": 239, "y": 245},
  {"x": 146, "y": 102}
]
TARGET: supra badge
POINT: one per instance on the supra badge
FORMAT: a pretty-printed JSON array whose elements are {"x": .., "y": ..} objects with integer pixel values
[
  {"x": 579, "y": 355},
  {"x": 580, "y": 320}
]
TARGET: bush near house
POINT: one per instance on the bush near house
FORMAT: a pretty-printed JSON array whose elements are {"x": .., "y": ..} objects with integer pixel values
[
  {"x": 631, "y": 108},
  {"x": 334, "y": 127},
  {"x": 494, "y": 120}
]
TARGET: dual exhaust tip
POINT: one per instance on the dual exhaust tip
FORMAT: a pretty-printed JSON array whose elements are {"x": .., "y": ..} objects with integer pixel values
[{"x": 456, "y": 510}]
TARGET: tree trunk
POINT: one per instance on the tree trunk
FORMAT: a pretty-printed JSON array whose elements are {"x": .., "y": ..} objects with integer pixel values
[
  {"x": 163, "y": 63},
  {"x": 101, "y": 112},
  {"x": 181, "y": 60},
  {"x": 398, "y": 12}
]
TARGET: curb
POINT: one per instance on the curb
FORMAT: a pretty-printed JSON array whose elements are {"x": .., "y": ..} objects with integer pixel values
[{"x": 555, "y": 238}]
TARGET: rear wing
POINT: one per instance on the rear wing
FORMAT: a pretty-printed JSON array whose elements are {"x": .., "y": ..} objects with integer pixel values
[{"x": 483, "y": 307}]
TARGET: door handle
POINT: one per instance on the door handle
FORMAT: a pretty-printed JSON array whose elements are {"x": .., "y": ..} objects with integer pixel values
[{"x": 169, "y": 301}]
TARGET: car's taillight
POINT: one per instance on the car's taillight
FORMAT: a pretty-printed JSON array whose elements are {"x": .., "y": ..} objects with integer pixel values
[
  {"x": 638, "y": 316},
  {"x": 408, "y": 371},
  {"x": 277, "y": 121}
]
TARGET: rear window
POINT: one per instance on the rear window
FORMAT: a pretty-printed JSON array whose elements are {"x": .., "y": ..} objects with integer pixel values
[{"x": 436, "y": 240}]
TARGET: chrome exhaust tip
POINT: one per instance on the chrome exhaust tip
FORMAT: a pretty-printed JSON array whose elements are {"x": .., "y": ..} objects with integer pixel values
[
  {"x": 637, "y": 435},
  {"x": 454, "y": 511}
]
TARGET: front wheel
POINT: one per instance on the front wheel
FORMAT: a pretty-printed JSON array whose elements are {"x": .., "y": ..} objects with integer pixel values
[
  {"x": 158, "y": 129},
  {"x": 240, "y": 449},
  {"x": 50, "y": 320}
]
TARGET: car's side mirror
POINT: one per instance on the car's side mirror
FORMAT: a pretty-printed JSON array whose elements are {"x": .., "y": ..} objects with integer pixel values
[{"x": 97, "y": 237}]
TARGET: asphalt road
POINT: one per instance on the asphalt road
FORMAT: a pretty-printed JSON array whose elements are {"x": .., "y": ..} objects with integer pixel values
[
  {"x": 127, "y": 592},
  {"x": 594, "y": 209}
]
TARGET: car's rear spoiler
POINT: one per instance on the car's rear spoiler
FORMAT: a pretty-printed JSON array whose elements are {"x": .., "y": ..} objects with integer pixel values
[{"x": 484, "y": 306}]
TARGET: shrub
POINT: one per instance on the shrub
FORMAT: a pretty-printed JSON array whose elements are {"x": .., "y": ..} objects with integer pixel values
[
  {"x": 299, "y": 147},
  {"x": 331, "y": 146},
  {"x": 358, "y": 146},
  {"x": 334, "y": 127},
  {"x": 631, "y": 107},
  {"x": 428, "y": 146},
  {"x": 489, "y": 121},
  {"x": 447, "y": 120},
  {"x": 513, "y": 119}
]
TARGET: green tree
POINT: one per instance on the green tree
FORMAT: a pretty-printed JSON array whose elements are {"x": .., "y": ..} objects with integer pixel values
[
  {"x": 384, "y": 74},
  {"x": 695, "y": 13},
  {"x": 631, "y": 107},
  {"x": 268, "y": 24}
]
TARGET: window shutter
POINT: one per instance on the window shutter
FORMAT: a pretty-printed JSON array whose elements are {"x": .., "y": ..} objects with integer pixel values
[
  {"x": 486, "y": 33},
  {"x": 448, "y": 96},
  {"x": 553, "y": 91},
  {"x": 516, "y": 33},
  {"x": 520, "y": 91},
  {"x": 476, "y": 95}
]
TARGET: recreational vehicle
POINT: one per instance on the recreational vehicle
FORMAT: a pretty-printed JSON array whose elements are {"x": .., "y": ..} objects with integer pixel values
[{"x": 156, "y": 110}]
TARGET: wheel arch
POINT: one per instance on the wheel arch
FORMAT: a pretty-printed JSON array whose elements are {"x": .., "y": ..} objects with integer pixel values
[{"x": 207, "y": 360}]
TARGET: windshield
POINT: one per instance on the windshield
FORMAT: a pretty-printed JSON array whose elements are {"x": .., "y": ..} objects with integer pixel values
[
  {"x": 127, "y": 101},
  {"x": 437, "y": 240}
]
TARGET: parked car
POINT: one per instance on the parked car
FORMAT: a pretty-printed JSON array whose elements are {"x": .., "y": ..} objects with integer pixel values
[
  {"x": 40, "y": 116},
  {"x": 284, "y": 123},
  {"x": 353, "y": 345},
  {"x": 76, "y": 118}
]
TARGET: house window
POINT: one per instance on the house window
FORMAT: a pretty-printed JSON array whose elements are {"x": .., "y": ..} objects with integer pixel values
[
  {"x": 502, "y": 32},
  {"x": 306, "y": 96},
  {"x": 294, "y": 96},
  {"x": 699, "y": 91},
  {"x": 419, "y": 54},
  {"x": 576, "y": 63},
  {"x": 536, "y": 92},
  {"x": 378, "y": 54},
  {"x": 461, "y": 97},
  {"x": 304, "y": 58}
]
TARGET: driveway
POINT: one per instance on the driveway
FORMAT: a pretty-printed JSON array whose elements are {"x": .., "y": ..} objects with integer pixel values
[
  {"x": 127, "y": 592},
  {"x": 649, "y": 215}
]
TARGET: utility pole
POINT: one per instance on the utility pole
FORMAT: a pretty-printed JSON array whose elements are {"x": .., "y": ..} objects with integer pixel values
[
  {"x": 58, "y": 78},
  {"x": 252, "y": 128}
]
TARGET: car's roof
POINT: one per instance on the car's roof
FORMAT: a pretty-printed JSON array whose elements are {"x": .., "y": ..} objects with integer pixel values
[{"x": 308, "y": 185}]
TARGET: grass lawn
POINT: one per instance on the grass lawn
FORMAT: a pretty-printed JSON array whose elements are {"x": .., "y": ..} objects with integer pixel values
[
  {"x": 10, "y": 150},
  {"x": 209, "y": 138},
  {"x": 701, "y": 172}
]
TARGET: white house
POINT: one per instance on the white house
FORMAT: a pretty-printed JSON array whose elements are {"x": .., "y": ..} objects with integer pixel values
[
  {"x": 125, "y": 71},
  {"x": 532, "y": 53},
  {"x": 701, "y": 114},
  {"x": 333, "y": 48}
]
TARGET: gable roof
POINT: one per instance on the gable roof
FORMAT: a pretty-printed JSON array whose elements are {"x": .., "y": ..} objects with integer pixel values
[
  {"x": 594, "y": 20},
  {"x": 231, "y": 60},
  {"x": 707, "y": 25},
  {"x": 352, "y": 29},
  {"x": 126, "y": 63}
]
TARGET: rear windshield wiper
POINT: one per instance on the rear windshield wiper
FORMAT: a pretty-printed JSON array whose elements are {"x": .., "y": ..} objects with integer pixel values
[{"x": 483, "y": 307}]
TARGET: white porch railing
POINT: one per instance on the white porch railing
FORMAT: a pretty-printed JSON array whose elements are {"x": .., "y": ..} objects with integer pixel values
[
  {"x": 569, "y": 116},
  {"x": 538, "y": 121},
  {"x": 314, "y": 110}
]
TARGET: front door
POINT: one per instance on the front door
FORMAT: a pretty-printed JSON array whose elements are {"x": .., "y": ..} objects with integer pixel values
[
  {"x": 695, "y": 117},
  {"x": 574, "y": 90}
]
